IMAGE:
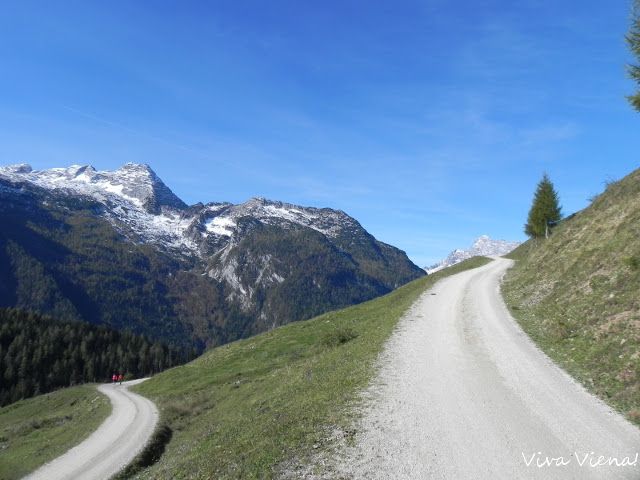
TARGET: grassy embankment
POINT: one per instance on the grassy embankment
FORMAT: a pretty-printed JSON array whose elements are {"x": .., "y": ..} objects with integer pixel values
[
  {"x": 577, "y": 294},
  {"x": 256, "y": 407},
  {"x": 37, "y": 430}
]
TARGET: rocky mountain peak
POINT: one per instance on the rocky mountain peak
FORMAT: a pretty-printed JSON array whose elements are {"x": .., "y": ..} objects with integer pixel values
[
  {"x": 142, "y": 168},
  {"x": 17, "y": 168},
  {"x": 143, "y": 208},
  {"x": 140, "y": 182},
  {"x": 482, "y": 246},
  {"x": 136, "y": 184}
]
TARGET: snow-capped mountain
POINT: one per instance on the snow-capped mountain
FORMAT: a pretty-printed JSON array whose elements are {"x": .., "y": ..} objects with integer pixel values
[
  {"x": 482, "y": 246},
  {"x": 135, "y": 184},
  {"x": 134, "y": 197},
  {"x": 217, "y": 270}
]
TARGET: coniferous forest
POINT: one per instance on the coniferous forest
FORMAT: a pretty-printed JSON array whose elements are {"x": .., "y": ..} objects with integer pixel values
[{"x": 39, "y": 354}]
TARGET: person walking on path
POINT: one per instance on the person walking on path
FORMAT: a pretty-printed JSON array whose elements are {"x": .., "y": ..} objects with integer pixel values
[
  {"x": 120, "y": 378},
  {"x": 114, "y": 377}
]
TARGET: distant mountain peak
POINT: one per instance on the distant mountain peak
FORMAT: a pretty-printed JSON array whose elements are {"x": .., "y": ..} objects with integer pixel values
[
  {"x": 17, "y": 168},
  {"x": 136, "y": 184},
  {"x": 137, "y": 171},
  {"x": 482, "y": 246},
  {"x": 142, "y": 167},
  {"x": 137, "y": 200}
]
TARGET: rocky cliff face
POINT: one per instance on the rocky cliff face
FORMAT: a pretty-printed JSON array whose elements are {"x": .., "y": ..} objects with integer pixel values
[{"x": 119, "y": 247}]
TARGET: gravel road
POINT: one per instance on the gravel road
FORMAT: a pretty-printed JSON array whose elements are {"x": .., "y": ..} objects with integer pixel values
[
  {"x": 463, "y": 393},
  {"x": 113, "y": 445}
]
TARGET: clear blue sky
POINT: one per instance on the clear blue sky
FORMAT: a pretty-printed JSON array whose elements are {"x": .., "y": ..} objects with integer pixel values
[{"x": 429, "y": 121}]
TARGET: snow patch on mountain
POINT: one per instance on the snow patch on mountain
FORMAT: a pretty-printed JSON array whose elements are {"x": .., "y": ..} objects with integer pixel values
[
  {"x": 326, "y": 221},
  {"x": 167, "y": 229},
  {"x": 220, "y": 226},
  {"x": 137, "y": 201},
  {"x": 133, "y": 197},
  {"x": 482, "y": 246}
]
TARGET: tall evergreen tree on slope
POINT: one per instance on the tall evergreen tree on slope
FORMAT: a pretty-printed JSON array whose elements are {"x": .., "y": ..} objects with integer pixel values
[
  {"x": 633, "y": 39},
  {"x": 545, "y": 210}
]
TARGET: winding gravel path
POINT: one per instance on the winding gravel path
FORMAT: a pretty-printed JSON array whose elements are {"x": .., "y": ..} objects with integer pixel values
[
  {"x": 113, "y": 445},
  {"x": 463, "y": 393}
]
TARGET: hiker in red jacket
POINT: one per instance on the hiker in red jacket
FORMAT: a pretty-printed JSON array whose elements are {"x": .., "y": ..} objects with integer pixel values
[
  {"x": 114, "y": 378},
  {"x": 120, "y": 378}
]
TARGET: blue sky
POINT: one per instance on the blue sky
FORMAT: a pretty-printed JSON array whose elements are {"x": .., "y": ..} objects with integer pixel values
[{"x": 429, "y": 121}]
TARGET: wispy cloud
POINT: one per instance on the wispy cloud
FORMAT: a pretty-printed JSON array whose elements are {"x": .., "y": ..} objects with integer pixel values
[{"x": 546, "y": 134}]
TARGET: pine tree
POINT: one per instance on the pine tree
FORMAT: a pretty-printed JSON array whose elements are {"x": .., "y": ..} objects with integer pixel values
[
  {"x": 633, "y": 39},
  {"x": 545, "y": 210}
]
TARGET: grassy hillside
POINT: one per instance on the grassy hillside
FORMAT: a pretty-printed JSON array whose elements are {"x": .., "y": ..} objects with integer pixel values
[
  {"x": 256, "y": 407},
  {"x": 35, "y": 431},
  {"x": 578, "y": 294}
]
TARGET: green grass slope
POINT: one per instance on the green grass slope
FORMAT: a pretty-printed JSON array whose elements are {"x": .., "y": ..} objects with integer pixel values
[
  {"x": 577, "y": 294},
  {"x": 37, "y": 430},
  {"x": 250, "y": 408}
]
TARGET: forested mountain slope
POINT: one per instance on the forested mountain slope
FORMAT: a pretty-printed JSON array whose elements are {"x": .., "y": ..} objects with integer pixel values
[{"x": 119, "y": 248}]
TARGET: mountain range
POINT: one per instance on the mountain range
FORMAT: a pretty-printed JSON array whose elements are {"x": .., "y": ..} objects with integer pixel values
[
  {"x": 120, "y": 248},
  {"x": 483, "y": 246}
]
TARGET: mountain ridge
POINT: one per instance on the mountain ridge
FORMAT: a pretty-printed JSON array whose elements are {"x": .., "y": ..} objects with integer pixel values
[
  {"x": 124, "y": 249},
  {"x": 139, "y": 198},
  {"x": 483, "y": 246}
]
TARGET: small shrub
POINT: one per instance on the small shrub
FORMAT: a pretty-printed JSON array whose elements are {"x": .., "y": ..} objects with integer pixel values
[
  {"x": 36, "y": 424},
  {"x": 338, "y": 336},
  {"x": 633, "y": 262},
  {"x": 187, "y": 406},
  {"x": 178, "y": 409},
  {"x": 560, "y": 330},
  {"x": 598, "y": 281}
]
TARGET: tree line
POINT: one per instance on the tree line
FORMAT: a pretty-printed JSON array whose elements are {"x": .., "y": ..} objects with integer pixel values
[{"x": 39, "y": 354}]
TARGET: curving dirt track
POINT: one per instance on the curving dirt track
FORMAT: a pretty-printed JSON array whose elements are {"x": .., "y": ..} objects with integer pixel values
[
  {"x": 463, "y": 393},
  {"x": 113, "y": 445}
]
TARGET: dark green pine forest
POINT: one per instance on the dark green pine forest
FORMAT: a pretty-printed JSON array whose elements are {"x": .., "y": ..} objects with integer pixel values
[{"x": 39, "y": 354}]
